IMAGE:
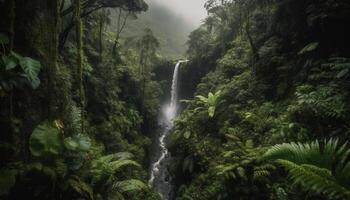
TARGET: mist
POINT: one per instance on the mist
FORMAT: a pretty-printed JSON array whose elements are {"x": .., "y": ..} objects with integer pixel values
[
  {"x": 171, "y": 22},
  {"x": 192, "y": 11}
]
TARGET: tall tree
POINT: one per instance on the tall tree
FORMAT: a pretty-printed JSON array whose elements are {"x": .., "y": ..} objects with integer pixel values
[
  {"x": 90, "y": 6},
  {"x": 148, "y": 46},
  {"x": 32, "y": 27},
  {"x": 80, "y": 54},
  {"x": 123, "y": 16}
]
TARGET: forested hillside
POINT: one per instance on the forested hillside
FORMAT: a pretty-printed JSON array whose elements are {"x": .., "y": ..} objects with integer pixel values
[
  {"x": 171, "y": 30},
  {"x": 271, "y": 72},
  {"x": 93, "y": 105}
]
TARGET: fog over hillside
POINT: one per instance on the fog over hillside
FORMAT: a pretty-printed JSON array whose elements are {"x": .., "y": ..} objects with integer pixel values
[
  {"x": 169, "y": 23},
  {"x": 192, "y": 11}
]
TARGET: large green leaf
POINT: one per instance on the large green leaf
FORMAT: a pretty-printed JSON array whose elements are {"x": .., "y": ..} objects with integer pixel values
[
  {"x": 31, "y": 68},
  {"x": 202, "y": 98},
  {"x": 45, "y": 140},
  {"x": 77, "y": 143},
  {"x": 10, "y": 62},
  {"x": 211, "y": 102},
  {"x": 211, "y": 111}
]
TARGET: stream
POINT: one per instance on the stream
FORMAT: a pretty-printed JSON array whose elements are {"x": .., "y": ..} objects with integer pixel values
[{"x": 160, "y": 178}]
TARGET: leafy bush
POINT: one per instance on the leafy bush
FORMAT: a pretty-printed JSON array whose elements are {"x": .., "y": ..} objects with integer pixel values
[
  {"x": 323, "y": 101},
  {"x": 104, "y": 170},
  {"x": 46, "y": 140},
  {"x": 210, "y": 102}
]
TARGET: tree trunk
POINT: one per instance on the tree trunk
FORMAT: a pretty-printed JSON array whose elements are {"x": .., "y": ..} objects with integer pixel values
[
  {"x": 80, "y": 67},
  {"x": 101, "y": 36},
  {"x": 32, "y": 27}
]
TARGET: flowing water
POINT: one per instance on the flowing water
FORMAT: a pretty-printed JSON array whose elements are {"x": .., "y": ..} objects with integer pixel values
[{"x": 160, "y": 178}]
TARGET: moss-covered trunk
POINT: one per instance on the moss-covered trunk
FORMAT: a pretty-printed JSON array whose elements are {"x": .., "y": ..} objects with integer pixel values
[
  {"x": 33, "y": 32},
  {"x": 80, "y": 67}
]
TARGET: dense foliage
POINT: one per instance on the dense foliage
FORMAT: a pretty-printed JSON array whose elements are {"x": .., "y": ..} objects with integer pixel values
[
  {"x": 264, "y": 109},
  {"x": 76, "y": 115},
  {"x": 282, "y": 69}
]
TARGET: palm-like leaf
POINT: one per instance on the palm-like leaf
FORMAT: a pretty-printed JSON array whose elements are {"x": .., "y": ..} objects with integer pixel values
[
  {"x": 209, "y": 102},
  {"x": 203, "y": 99}
]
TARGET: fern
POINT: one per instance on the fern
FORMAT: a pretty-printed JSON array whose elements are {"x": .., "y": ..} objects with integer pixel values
[
  {"x": 124, "y": 155},
  {"x": 242, "y": 163},
  {"x": 310, "y": 153},
  {"x": 106, "y": 165},
  {"x": 322, "y": 168},
  {"x": 80, "y": 187},
  {"x": 115, "y": 165},
  {"x": 321, "y": 101},
  {"x": 129, "y": 185},
  {"x": 319, "y": 181},
  {"x": 263, "y": 171},
  {"x": 104, "y": 174}
]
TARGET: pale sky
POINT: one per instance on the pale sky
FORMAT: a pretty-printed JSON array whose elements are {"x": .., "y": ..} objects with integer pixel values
[{"x": 191, "y": 10}]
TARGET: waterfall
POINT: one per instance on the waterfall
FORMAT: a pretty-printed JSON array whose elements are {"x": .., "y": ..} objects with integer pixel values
[
  {"x": 170, "y": 111},
  {"x": 160, "y": 178}
]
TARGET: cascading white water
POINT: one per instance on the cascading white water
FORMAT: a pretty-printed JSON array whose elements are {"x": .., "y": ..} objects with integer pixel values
[
  {"x": 170, "y": 110},
  {"x": 159, "y": 177}
]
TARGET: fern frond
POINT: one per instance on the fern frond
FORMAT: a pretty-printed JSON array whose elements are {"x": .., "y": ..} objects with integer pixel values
[
  {"x": 115, "y": 165},
  {"x": 317, "y": 180},
  {"x": 241, "y": 172},
  {"x": 129, "y": 185},
  {"x": 324, "y": 169},
  {"x": 124, "y": 155},
  {"x": 342, "y": 174},
  {"x": 80, "y": 187},
  {"x": 263, "y": 171},
  {"x": 310, "y": 153},
  {"x": 258, "y": 174},
  {"x": 222, "y": 169}
]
